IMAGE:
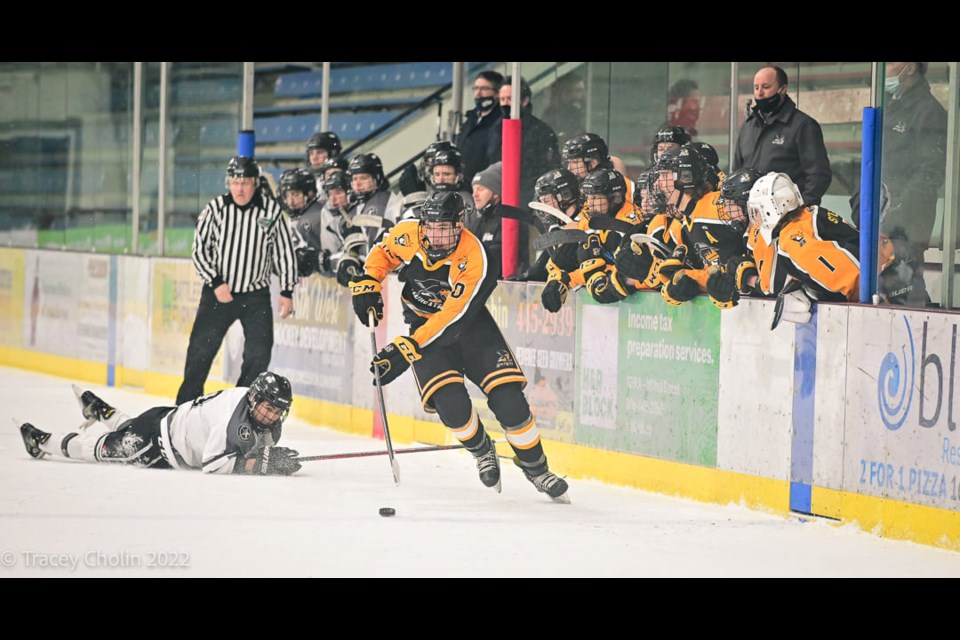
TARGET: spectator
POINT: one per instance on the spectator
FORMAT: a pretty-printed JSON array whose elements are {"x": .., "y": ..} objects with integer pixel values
[
  {"x": 566, "y": 114},
  {"x": 487, "y": 187},
  {"x": 479, "y": 139},
  {"x": 683, "y": 105},
  {"x": 241, "y": 238},
  {"x": 779, "y": 137},
  {"x": 538, "y": 150},
  {"x": 913, "y": 167}
]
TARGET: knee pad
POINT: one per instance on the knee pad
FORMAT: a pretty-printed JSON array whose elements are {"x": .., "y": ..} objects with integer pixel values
[
  {"x": 509, "y": 404},
  {"x": 123, "y": 446},
  {"x": 453, "y": 405}
]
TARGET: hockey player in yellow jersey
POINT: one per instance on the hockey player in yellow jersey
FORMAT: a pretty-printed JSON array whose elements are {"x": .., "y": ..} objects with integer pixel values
[
  {"x": 705, "y": 242},
  {"x": 819, "y": 251},
  {"x": 447, "y": 278}
]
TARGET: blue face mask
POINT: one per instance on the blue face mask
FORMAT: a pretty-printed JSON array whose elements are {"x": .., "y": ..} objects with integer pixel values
[{"x": 892, "y": 85}]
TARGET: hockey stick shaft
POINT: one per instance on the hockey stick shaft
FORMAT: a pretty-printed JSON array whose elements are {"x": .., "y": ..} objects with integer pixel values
[
  {"x": 394, "y": 466},
  {"x": 366, "y": 454}
]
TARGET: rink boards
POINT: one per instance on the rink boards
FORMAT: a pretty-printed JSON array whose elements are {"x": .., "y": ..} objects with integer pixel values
[{"x": 852, "y": 416}]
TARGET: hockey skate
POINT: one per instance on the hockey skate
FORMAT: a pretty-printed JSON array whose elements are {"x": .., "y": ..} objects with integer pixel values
[
  {"x": 488, "y": 466},
  {"x": 93, "y": 408},
  {"x": 548, "y": 483},
  {"x": 32, "y": 439}
]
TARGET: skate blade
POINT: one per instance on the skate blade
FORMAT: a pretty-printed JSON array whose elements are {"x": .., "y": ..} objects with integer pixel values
[{"x": 564, "y": 499}]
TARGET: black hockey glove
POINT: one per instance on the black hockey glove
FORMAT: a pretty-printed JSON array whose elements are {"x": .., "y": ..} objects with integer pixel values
[
  {"x": 608, "y": 287},
  {"x": 394, "y": 359},
  {"x": 410, "y": 181},
  {"x": 669, "y": 266},
  {"x": 682, "y": 288},
  {"x": 275, "y": 461},
  {"x": 590, "y": 256},
  {"x": 554, "y": 294},
  {"x": 308, "y": 261},
  {"x": 348, "y": 269},
  {"x": 743, "y": 270},
  {"x": 722, "y": 288},
  {"x": 366, "y": 296},
  {"x": 633, "y": 260}
]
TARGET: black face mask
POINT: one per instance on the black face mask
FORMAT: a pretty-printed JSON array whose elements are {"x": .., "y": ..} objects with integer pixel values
[
  {"x": 505, "y": 108},
  {"x": 766, "y": 105},
  {"x": 484, "y": 104}
]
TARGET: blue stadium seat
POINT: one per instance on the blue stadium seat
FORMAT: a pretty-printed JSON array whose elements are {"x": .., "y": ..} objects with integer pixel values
[
  {"x": 384, "y": 77},
  {"x": 219, "y": 132}
]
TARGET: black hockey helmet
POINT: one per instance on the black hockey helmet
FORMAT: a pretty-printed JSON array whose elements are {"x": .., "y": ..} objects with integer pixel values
[
  {"x": 441, "y": 207},
  {"x": 608, "y": 183},
  {"x": 449, "y": 158},
  {"x": 563, "y": 187},
  {"x": 708, "y": 153},
  {"x": 671, "y": 135},
  {"x": 689, "y": 168},
  {"x": 338, "y": 163},
  {"x": 430, "y": 153},
  {"x": 297, "y": 180},
  {"x": 326, "y": 140},
  {"x": 243, "y": 167},
  {"x": 586, "y": 146},
  {"x": 273, "y": 390},
  {"x": 338, "y": 180},
  {"x": 734, "y": 193},
  {"x": 370, "y": 164}
]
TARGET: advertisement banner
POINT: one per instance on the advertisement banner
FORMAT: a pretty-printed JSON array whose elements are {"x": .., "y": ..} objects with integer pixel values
[
  {"x": 12, "y": 296},
  {"x": 312, "y": 348},
  {"x": 662, "y": 362},
  {"x": 543, "y": 345},
  {"x": 175, "y": 294},
  {"x": 904, "y": 397}
]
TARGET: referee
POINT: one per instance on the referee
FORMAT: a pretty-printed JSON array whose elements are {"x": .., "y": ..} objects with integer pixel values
[{"x": 241, "y": 238}]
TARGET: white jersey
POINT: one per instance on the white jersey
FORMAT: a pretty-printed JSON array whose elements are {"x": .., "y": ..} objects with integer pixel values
[{"x": 212, "y": 433}]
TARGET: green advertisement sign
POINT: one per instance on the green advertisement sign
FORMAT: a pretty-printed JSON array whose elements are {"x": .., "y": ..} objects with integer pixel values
[{"x": 648, "y": 377}]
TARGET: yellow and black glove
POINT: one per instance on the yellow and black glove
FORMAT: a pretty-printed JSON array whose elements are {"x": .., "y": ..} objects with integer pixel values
[
  {"x": 681, "y": 288},
  {"x": 633, "y": 260},
  {"x": 722, "y": 288},
  {"x": 608, "y": 287},
  {"x": 590, "y": 256},
  {"x": 554, "y": 294},
  {"x": 669, "y": 267},
  {"x": 366, "y": 295},
  {"x": 394, "y": 359}
]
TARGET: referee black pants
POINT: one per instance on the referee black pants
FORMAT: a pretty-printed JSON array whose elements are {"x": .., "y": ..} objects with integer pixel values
[{"x": 213, "y": 319}]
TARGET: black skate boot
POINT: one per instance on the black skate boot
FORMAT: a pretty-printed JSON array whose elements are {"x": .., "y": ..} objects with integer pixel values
[
  {"x": 548, "y": 483},
  {"x": 488, "y": 465},
  {"x": 93, "y": 408},
  {"x": 33, "y": 438}
]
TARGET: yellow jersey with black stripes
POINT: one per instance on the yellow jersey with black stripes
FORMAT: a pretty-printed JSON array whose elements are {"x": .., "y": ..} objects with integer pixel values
[{"x": 446, "y": 294}]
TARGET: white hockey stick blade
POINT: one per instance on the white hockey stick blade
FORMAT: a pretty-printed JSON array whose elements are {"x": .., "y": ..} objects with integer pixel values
[
  {"x": 553, "y": 211},
  {"x": 658, "y": 248}
]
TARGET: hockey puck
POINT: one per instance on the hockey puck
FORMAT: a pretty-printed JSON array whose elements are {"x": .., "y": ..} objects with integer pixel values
[{"x": 387, "y": 512}]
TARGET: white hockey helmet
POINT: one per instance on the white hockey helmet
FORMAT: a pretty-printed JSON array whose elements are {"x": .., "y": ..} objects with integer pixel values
[{"x": 772, "y": 197}]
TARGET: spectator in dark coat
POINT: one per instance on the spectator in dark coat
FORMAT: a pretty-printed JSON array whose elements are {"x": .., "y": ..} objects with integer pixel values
[
  {"x": 538, "y": 149},
  {"x": 779, "y": 137},
  {"x": 479, "y": 139}
]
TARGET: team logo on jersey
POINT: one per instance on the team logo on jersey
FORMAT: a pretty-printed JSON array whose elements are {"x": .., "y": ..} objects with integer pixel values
[
  {"x": 462, "y": 265},
  {"x": 778, "y": 139},
  {"x": 431, "y": 293},
  {"x": 403, "y": 240},
  {"x": 900, "y": 127},
  {"x": 798, "y": 238},
  {"x": 505, "y": 359},
  {"x": 244, "y": 432}
]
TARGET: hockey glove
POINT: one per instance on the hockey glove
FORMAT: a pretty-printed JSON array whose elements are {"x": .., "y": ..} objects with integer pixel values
[
  {"x": 410, "y": 181},
  {"x": 348, "y": 269},
  {"x": 554, "y": 294},
  {"x": 670, "y": 266},
  {"x": 366, "y": 296},
  {"x": 608, "y": 287},
  {"x": 633, "y": 260},
  {"x": 682, "y": 288},
  {"x": 275, "y": 461},
  {"x": 722, "y": 288},
  {"x": 394, "y": 359},
  {"x": 793, "y": 305},
  {"x": 590, "y": 256},
  {"x": 308, "y": 261},
  {"x": 744, "y": 270}
]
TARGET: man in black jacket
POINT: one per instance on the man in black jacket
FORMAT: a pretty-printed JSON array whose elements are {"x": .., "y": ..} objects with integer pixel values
[
  {"x": 779, "y": 137},
  {"x": 538, "y": 148},
  {"x": 479, "y": 140}
]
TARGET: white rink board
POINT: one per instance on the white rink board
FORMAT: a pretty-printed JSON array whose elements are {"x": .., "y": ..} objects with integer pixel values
[
  {"x": 900, "y": 446},
  {"x": 756, "y": 392},
  {"x": 134, "y": 297},
  {"x": 832, "y": 405}
]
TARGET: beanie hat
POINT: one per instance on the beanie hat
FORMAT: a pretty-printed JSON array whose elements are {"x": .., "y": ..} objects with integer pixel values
[{"x": 491, "y": 177}]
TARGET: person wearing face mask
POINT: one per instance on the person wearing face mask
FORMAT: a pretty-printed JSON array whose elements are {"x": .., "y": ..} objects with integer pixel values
[
  {"x": 480, "y": 139},
  {"x": 779, "y": 137}
]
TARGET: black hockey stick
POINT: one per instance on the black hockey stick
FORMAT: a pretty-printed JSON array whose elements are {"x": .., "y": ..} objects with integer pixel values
[
  {"x": 394, "y": 466},
  {"x": 559, "y": 237},
  {"x": 365, "y": 454}
]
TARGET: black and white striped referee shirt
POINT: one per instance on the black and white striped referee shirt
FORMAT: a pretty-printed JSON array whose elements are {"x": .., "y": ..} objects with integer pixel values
[{"x": 241, "y": 246}]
